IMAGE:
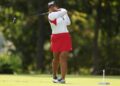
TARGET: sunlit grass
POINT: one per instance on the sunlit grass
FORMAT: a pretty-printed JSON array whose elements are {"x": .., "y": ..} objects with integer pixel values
[{"x": 46, "y": 80}]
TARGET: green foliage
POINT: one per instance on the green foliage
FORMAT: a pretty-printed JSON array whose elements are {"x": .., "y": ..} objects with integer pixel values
[{"x": 10, "y": 63}]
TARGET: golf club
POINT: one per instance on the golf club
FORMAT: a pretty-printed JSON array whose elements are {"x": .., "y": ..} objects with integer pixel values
[{"x": 37, "y": 14}]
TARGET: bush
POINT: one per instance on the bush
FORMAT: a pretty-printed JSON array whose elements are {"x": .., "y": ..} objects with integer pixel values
[{"x": 10, "y": 64}]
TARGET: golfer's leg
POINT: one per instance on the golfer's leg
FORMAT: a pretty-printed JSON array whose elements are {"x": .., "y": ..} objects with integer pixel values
[
  {"x": 55, "y": 64},
  {"x": 63, "y": 63}
]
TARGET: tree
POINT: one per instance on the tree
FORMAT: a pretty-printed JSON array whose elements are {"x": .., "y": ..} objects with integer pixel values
[{"x": 41, "y": 37}]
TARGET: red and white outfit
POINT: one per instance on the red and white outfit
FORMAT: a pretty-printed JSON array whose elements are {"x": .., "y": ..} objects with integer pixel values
[{"x": 60, "y": 38}]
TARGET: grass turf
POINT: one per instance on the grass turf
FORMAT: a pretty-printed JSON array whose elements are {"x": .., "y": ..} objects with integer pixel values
[{"x": 46, "y": 80}]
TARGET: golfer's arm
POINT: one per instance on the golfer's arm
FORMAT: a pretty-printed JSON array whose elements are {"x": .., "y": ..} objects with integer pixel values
[
  {"x": 57, "y": 14},
  {"x": 67, "y": 19}
]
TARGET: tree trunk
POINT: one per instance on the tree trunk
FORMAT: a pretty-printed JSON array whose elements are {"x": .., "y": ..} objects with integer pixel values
[
  {"x": 96, "y": 54},
  {"x": 40, "y": 43},
  {"x": 41, "y": 37}
]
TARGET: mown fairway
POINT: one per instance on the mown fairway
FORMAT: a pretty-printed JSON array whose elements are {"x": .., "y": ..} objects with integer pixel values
[{"x": 46, "y": 80}]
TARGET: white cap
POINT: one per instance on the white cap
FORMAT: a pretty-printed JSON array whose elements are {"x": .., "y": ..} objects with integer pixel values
[{"x": 51, "y": 3}]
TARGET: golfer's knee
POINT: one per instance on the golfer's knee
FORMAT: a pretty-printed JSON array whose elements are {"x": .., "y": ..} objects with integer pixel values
[{"x": 64, "y": 56}]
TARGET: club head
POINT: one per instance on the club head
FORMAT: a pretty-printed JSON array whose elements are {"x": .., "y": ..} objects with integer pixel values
[{"x": 14, "y": 19}]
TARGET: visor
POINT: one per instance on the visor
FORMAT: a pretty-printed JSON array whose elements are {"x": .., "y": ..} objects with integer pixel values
[{"x": 52, "y": 3}]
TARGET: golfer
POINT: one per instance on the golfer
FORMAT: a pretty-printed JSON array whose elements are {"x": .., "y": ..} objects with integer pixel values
[{"x": 60, "y": 40}]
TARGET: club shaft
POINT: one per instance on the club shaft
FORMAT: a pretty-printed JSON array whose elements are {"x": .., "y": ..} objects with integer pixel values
[{"x": 42, "y": 14}]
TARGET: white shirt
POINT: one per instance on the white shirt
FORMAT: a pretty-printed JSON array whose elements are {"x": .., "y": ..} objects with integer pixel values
[{"x": 59, "y": 21}]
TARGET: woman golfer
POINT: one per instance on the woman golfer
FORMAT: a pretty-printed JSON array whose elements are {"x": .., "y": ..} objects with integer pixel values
[{"x": 60, "y": 40}]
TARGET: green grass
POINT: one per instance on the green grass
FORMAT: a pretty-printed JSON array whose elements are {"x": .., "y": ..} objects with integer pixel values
[{"x": 46, "y": 80}]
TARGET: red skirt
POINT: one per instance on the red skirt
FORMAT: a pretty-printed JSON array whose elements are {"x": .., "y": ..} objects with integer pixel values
[{"x": 61, "y": 42}]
